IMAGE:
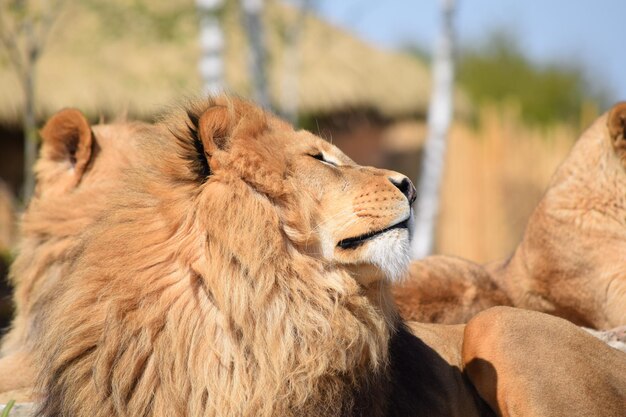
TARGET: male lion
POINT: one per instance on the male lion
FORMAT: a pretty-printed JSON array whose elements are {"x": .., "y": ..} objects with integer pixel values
[
  {"x": 77, "y": 169},
  {"x": 570, "y": 262},
  {"x": 238, "y": 269},
  {"x": 235, "y": 270}
]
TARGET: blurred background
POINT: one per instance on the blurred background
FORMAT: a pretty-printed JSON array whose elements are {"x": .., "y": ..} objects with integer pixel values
[{"x": 528, "y": 77}]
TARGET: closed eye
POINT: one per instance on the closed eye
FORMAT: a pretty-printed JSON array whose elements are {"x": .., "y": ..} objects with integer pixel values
[{"x": 320, "y": 157}]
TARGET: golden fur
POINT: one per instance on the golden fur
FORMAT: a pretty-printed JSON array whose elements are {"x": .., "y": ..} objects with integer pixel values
[
  {"x": 77, "y": 168},
  {"x": 69, "y": 200},
  {"x": 447, "y": 290},
  {"x": 526, "y": 363},
  {"x": 217, "y": 280},
  {"x": 570, "y": 261}
]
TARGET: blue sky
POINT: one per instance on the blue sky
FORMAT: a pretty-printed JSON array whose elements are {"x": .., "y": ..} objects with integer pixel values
[{"x": 592, "y": 33}]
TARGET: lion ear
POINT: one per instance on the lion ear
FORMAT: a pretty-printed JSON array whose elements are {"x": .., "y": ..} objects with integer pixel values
[
  {"x": 616, "y": 124},
  {"x": 215, "y": 128},
  {"x": 67, "y": 142}
]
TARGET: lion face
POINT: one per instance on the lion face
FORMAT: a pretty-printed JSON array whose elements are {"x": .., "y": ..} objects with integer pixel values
[
  {"x": 348, "y": 215},
  {"x": 355, "y": 216},
  {"x": 363, "y": 214}
]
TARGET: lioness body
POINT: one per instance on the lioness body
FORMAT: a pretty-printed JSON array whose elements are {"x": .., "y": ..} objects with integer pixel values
[
  {"x": 448, "y": 290},
  {"x": 578, "y": 376}
]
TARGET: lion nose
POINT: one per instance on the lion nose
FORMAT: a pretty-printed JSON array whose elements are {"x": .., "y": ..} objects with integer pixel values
[{"x": 406, "y": 187}]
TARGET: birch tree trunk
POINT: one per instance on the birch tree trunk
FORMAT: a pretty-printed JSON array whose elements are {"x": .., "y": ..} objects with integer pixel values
[
  {"x": 253, "y": 23},
  {"x": 211, "y": 63},
  {"x": 439, "y": 118}
]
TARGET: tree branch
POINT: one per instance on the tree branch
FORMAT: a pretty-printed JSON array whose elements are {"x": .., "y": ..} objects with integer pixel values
[
  {"x": 47, "y": 22},
  {"x": 24, "y": 29},
  {"x": 8, "y": 40}
]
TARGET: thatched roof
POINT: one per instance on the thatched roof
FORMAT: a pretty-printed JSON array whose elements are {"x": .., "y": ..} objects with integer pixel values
[{"x": 119, "y": 56}]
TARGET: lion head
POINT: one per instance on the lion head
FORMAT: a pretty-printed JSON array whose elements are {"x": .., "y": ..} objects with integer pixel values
[{"x": 237, "y": 268}]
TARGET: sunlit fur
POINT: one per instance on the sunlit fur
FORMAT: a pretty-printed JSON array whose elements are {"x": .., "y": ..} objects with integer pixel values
[
  {"x": 446, "y": 289},
  {"x": 200, "y": 296},
  {"x": 66, "y": 202}
]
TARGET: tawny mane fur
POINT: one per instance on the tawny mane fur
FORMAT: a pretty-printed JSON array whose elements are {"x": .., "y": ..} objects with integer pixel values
[{"x": 209, "y": 295}]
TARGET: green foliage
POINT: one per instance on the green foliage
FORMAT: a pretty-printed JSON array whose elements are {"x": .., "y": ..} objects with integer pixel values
[{"x": 498, "y": 71}]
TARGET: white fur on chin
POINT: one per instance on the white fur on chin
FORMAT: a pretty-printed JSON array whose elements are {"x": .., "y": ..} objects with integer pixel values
[{"x": 391, "y": 253}]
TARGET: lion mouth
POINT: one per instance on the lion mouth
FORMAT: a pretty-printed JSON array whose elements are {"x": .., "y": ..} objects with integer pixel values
[{"x": 354, "y": 242}]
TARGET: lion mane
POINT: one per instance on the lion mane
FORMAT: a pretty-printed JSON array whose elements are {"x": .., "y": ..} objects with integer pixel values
[{"x": 195, "y": 292}]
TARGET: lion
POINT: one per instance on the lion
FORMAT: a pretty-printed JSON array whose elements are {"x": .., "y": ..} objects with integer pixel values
[
  {"x": 569, "y": 262},
  {"x": 235, "y": 270},
  {"x": 78, "y": 166}
]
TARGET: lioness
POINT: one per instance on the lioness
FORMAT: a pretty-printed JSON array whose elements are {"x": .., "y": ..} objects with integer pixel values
[
  {"x": 447, "y": 290},
  {"x": 240, "y": 268},
  {"x": 570, "y": 262},
  {"x": 78, "y": 167}
]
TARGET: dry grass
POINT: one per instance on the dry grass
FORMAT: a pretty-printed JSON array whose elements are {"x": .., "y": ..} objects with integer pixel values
[{"x": 494, "y": 177}]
